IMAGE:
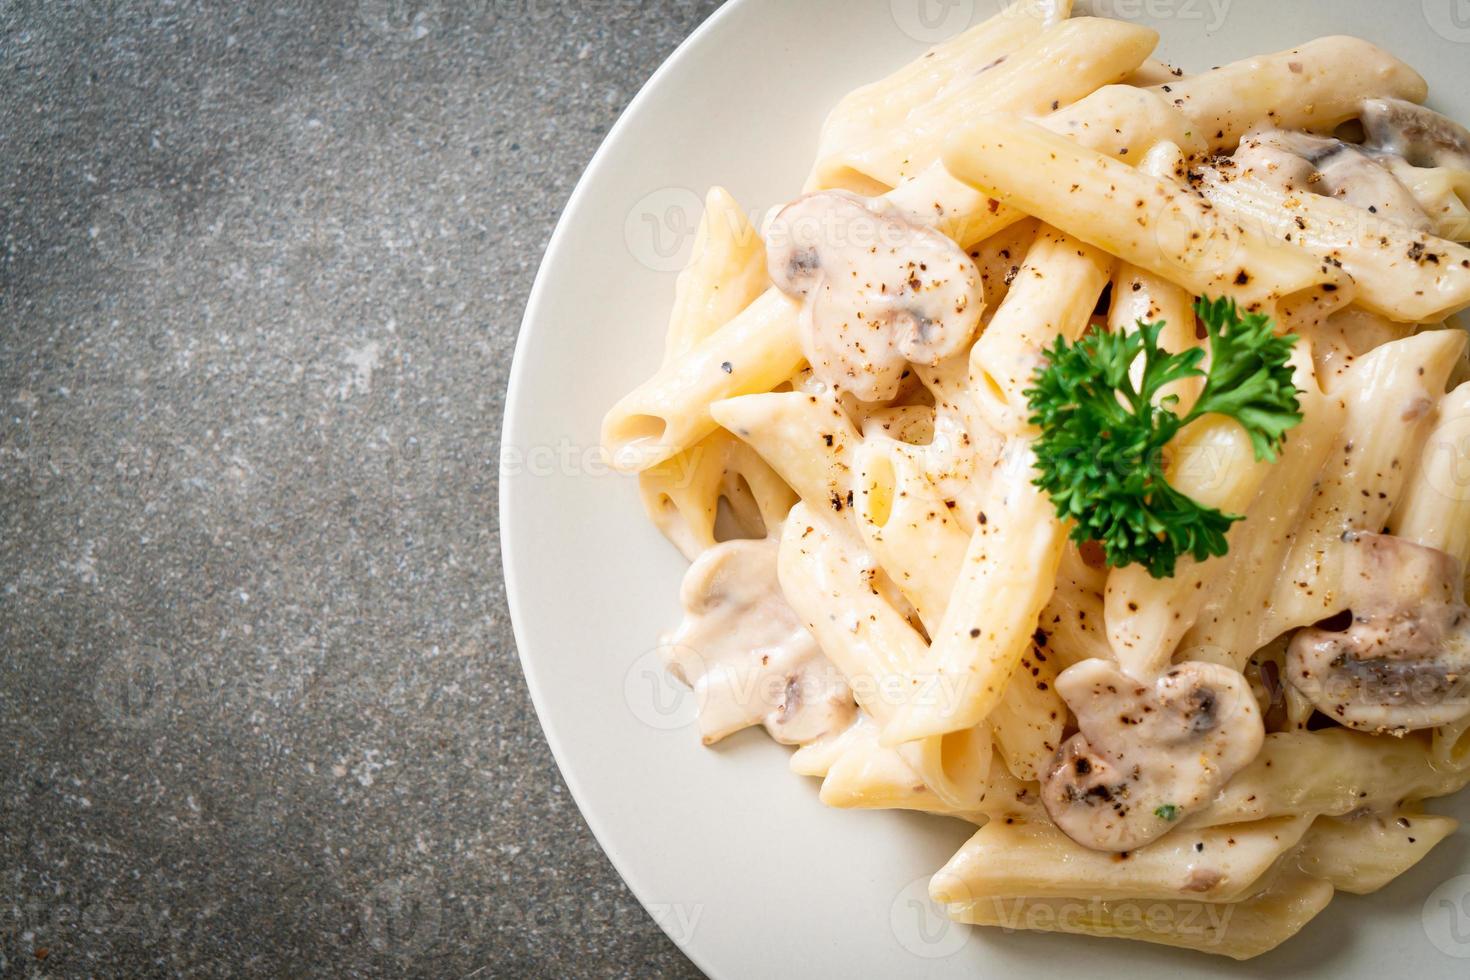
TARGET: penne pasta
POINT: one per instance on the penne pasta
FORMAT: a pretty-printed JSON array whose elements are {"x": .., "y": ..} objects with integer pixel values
[
  {"x": 1149, "y": 221},
  {"x": 1015, "y": 857},
  {"x": 1052, "y": 296},
  {"x": 1060, "y": 473},
  {"x": 868, "y": 115},
  {"x": 1407, "y": 276},
  {"x": 1435, "y": 507},
  {"x": 1007, "y": 576},
  {"x": 1081, "y": 55},
  {"x": 1238, "y": 930}
]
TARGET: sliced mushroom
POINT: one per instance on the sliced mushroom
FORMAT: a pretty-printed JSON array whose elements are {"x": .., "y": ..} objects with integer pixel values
[
  {"x": 746, "y": 655},
  {"x": 1322, "y": 165},
  {"x": 1404, "y": 661},
  {"x": 1421, "y": 136},
  {"x": 1146, "y": 754},
  {"x": 877, "y": 290}
]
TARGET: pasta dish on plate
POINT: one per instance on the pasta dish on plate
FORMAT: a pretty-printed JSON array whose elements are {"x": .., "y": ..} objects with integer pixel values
[{"x": 1082, "y": 455}]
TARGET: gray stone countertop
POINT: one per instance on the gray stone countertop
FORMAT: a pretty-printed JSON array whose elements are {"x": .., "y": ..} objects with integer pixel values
[{"x": 261, "y": 271}]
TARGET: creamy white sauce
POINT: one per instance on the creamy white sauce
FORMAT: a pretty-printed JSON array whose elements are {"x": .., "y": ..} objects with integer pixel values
[
  {"x": 877, "y": 291},
  {"x": 745, "y": 654}
]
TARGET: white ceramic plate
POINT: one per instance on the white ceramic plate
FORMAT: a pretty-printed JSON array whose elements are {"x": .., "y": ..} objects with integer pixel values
[{"x": 730, "y": 852}]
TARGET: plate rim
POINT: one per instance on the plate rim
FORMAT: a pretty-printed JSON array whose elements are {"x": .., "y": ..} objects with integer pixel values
[{"x": 560, "y": 234}]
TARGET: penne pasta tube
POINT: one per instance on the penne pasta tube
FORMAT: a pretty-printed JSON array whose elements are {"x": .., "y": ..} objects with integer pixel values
[
  {"x": 1435, "y": 507},
  {"x": 909, "y": 531},
  {"x": 1405, "y": 275},
  {"x": 859, "y": 774},
  {"x": 1333, "y": 772},
  {"x": 682, "y": 494},
  {"x": 821, "y": 567},
  {"x": 816, "y": 758},
  {"x": 1008, "y": 574},
  {"x": 1154, "y": 72},
  {"x": 1063, "y": 63},
  {"x": 1342, "y": 338},
  {"x": 1072, "y": 623},
  {"x": 866, "y": 776},
  {"x": 999, "y": 259},
  {"x": 1316, "y": 86},
  {"x": 1214, "y": 464},
  {"x": 1450, "y": 747},
  {"x": 807, "y": 439},
  {"x": 754, "y": 352},
  {"x": 1028, "y": 721},
  {"x": 1150, "y": 222},
  {"x": 1233, "y": 620},
  {"x": 1442, "y": 193},
  {"x": 868, "y": 115},
  {"x": 1238, "y": 930},
  {"x": 1362, "y": 853},
  {"x": 1053, "y": 296},
  {"x": 1017, "y": 857},
  {"x": 818, "y": 564},
  {"x": 725, "y": 274},
  {"x": 1390, "y": 407}
]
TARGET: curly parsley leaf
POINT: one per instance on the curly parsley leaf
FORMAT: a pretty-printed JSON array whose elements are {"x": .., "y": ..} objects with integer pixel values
[{"x": 1100, "y": 456}]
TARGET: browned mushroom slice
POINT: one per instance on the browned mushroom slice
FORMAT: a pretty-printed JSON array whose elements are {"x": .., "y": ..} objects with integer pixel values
[
  {"x": 1322, "y": 165},
  {"x": 1147, "y": 754},
  {"x": 877, "y": 290},
  {"x": 1419, "y": 135},
  {"x": 1404, "y": 660}
]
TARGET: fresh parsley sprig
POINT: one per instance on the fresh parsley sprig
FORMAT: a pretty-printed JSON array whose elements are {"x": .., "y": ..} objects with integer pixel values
[{"x": 1101, "y": 452}]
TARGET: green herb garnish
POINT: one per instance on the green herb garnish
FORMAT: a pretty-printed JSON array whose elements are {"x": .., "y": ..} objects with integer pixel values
[
  {"x": 1168, "y": 811},
  {"x": 1101, "y": 452}
]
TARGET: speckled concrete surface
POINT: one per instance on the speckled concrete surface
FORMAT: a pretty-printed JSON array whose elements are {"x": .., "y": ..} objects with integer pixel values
[{"x": 261, "y": 271}]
